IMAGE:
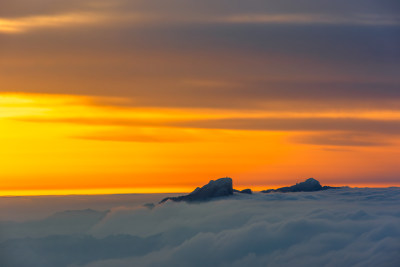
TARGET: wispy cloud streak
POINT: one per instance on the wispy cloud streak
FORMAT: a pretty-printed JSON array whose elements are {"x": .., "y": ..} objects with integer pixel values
[
  {"x": 362, "y": 19},
  {"x": 23, "y": 24}
]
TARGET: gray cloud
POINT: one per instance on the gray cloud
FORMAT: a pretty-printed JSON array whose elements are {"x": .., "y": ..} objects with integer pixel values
[
  {"x": 37, "y": 208},
  {"x": 327, "y": 228},
  {"x": 313, "y": 70},
  {"x": 326, "y": 235},
  {"x": 62, "y": 223},
  {"x": 22, "y": 8},
  {"x": 338, "y": 65},
  {"x": 192, "y": 7}
]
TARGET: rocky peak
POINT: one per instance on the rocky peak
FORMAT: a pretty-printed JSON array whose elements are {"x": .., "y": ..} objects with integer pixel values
[{"x": 218, "y": 188}]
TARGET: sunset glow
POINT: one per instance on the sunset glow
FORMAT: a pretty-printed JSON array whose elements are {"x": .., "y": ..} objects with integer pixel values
[
  {"x": 131, "y": 96},
  {"x": 66, "y": 144},
  {"x": 199, "y": 133}
]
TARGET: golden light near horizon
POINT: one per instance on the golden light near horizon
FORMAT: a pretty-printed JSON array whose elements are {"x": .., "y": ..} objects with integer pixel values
[
  {"x": 30, "y": 126},
  {"x": 66, "y": 144},
  {"x": 136, "y": 96}
]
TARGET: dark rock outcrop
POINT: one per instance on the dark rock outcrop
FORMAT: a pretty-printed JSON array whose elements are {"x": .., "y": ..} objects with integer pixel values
[
  {"x": 218, "y": 188},
  {"x": 244, "y": 191},
  {"x": 308, "y": 185}
]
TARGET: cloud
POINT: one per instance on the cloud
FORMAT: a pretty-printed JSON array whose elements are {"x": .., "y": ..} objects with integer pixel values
[
  {"x": 299, "y": 124},
  {"x": 326, "y": 228},
  {"x": 371, "y": 12},
  {"x": 343, "y": 139},
  {"x": 70, "y": 249},
  {"x": 19, "y": 25},
  {"x": 24, "y": 8},
  {"x": 139, "y": 50},
  {"x": 330, "y": 129},
  {"x": 312, "y": 19},
  {"x": 273, "y": 122},
  {"x": 158, "y": 136},
  {"x": 121, "y": 13},
  {"x": 62, "y": 223},
  {"x": 25, "y": 209},
  {"x": 326, "y": 235}
]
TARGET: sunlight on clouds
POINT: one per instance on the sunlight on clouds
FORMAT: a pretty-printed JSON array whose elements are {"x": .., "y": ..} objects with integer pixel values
[
  {"x": 33, "y": 153},
  {"x": 119, "y": 110},
  {"x": 22, "y": 24},
  {"x": 36, "y": 105},
  {"x": 14, "y": 105}
]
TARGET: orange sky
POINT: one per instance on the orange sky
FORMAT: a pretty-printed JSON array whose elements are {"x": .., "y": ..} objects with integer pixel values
[
  {"x": 115, "y": 96},
  {"x": 54, "y": 144}
]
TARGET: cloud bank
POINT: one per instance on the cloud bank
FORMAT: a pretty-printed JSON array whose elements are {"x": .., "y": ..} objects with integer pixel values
[
  {"x": 344, "y": 227},
  {"x": 266, "y": 51}
]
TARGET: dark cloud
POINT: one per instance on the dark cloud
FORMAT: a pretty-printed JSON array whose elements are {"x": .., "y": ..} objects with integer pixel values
[{"x": 193, "y": 7}]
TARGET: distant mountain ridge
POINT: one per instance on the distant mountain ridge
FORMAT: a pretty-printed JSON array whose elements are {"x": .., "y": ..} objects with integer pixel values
[
  {"x": 223, "y": 187},
  {"x": 309, "y": 185},
  {"x": 218, "y": 188}
]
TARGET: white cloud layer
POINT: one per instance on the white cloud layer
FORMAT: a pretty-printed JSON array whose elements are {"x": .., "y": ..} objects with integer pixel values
[{"x": 346, "y": 227}]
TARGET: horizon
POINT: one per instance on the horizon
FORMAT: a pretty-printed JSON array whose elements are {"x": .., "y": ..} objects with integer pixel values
[{"x": 143, "y": 191}]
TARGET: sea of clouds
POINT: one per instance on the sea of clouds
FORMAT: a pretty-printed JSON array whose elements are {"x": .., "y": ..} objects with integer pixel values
[{"x": 337, "y": 227}]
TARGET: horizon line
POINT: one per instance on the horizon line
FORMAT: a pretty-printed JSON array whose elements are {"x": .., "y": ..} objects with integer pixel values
[{"x": 152, "y": 190}]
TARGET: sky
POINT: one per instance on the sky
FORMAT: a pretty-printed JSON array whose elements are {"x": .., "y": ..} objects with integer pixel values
[{"x": 101, "y": 96}]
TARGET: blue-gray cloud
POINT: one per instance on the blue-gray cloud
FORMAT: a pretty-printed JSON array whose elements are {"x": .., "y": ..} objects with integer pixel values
[{"x": 349, "y": 227}]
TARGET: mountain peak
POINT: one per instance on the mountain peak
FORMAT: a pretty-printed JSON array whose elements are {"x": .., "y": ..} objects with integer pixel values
[
  {"x": 308, "y": 185},
  {"x": 218, "y": 188}
]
